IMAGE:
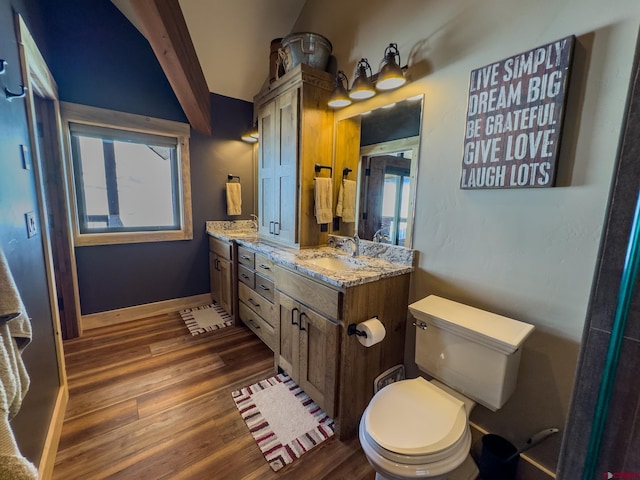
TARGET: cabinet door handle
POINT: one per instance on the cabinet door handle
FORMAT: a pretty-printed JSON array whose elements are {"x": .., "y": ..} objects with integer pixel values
[
  {"x": 253, "y": 302},
  {"x": 274, "y": 228},
  {"x": 217, "y": 264},
  {"x": 262, "y": 287},
  {"x": 302, "y": 314},
  {"x": 294, "y": 310}
]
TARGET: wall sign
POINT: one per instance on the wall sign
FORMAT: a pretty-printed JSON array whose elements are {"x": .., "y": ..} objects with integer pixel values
[{"x": 514, "y": 119}]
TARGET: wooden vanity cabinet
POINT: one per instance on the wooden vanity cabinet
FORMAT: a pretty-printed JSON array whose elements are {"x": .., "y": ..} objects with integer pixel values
[
  {"x": 309, "y": 350},
  {"x": 256, "y": 293},
  {"x": 221, "y": 273},
  {"x": 335, "y": 370},
  {"x": 296, "y": 133}
]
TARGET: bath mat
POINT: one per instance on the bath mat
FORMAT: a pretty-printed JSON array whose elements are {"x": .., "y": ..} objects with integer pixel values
[
  {"x": 283, "y": 420},
  {"x": 206, "y": 318}
]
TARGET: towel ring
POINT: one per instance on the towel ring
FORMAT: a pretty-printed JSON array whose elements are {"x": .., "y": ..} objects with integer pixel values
[{"x": 231, "y": 177}]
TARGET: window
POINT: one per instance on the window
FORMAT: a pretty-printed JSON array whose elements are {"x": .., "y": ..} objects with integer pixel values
[{"x": 129, "y": 177}]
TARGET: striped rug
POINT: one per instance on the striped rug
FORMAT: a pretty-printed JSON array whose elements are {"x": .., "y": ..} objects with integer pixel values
[
  {"x": 206, "y": 318},
  {"x": 283, "y": 420}
]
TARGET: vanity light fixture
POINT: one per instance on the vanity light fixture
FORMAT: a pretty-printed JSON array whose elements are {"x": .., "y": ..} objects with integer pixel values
[
  {"x": 251, "y": 135},
  {"x": 362, "y": 87},
  {"x": 339, "y": 97},
  {"x": 391, "y": 75}
]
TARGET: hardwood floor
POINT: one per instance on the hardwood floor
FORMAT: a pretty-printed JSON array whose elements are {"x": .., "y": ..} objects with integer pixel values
[{"x": 149, "y": 401}]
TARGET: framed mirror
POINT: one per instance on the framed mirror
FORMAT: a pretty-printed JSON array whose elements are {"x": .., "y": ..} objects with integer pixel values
[{"x": 378, "y": 149}]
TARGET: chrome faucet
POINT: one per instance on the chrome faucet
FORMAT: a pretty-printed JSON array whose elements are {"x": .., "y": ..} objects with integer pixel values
[
  {"x": 356, "y": 245},
  {"x": 380, "y": 235},
  {"x": 255, "y": 222}
]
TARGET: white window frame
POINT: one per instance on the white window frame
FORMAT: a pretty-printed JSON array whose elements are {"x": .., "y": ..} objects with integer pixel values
[{"x": 100, "y": 117}]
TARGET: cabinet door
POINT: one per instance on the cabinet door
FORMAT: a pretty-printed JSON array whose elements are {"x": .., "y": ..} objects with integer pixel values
[
  {"x": 286, "y": 166},
  {"x": 318, "y": 356},
  {"x": 289, "y": 311},
  {"x": 226, "y": 295},
  {"x": 267, "y": 154},
  {"x": 214, "y": 277}
]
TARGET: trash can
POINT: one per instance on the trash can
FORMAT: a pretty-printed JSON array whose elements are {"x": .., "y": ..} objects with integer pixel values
[{"x": 499, "y": 458}]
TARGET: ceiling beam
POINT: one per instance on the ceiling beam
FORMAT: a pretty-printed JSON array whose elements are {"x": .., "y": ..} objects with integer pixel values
[{"x": 163, "y": 25}]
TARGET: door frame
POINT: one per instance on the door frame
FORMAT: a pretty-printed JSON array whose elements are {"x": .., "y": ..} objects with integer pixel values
[{"x": 39, "y": 82}]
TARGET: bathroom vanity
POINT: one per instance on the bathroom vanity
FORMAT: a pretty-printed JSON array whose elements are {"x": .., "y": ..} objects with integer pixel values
[
  {"x": 300, "y": 303},
  {"x": 295, "y": 292}
]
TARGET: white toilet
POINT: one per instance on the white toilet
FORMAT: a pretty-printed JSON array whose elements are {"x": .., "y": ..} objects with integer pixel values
[{"x": 420, "y": 429}]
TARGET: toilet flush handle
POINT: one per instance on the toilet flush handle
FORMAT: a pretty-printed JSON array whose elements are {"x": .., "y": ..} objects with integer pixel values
[{"x": 421, "y": 325}]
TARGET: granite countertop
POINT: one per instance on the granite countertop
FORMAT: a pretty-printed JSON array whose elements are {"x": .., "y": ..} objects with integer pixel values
[{"x": 376, "y": 261}]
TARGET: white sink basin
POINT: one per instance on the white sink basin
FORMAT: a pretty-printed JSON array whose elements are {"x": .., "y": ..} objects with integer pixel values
[{"x": 335, "y": 263}]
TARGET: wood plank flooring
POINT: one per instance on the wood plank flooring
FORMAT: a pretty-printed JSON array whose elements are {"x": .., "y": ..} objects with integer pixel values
[{"x": 149, "y": 401}]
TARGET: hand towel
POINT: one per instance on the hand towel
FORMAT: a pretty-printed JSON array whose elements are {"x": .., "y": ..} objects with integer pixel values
[
  {"x": 346, "y": 207},
  {"x": 323, "y": 199},
  {"x": 234, "y": 198}
]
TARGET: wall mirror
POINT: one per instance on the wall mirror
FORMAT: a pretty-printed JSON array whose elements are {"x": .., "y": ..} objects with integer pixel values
[{"x": 379, "y": 150}]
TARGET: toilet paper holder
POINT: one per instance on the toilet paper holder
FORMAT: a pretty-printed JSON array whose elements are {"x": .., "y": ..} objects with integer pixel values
[{"x": 353, "y": 330}]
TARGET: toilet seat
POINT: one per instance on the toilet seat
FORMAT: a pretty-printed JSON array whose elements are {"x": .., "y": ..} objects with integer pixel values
[
  {"x": 415, "y": 418},
  {"x": 414, "y": 426}
]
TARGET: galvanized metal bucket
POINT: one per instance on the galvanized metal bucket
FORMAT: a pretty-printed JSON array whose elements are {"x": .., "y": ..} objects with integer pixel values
[{"x": 309, "y": 48}]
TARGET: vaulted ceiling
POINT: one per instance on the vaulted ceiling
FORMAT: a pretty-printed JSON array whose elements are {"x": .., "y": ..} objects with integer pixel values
[
  {"x": 219, "y": 46},
  {"x": 232, "y": 40}
]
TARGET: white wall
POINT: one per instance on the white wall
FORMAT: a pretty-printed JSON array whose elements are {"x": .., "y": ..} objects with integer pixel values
[{"x": 526, "y": 253}]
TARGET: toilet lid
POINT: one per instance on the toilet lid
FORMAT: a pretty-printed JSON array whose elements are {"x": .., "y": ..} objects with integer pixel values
[{"x": 414, "y": 417}]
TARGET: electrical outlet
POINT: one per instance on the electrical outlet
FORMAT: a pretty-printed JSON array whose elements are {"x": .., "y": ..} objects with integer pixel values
[{"x": 32, "y": 227}]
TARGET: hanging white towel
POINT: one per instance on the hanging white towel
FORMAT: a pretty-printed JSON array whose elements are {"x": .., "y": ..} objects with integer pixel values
[
  {"x": 323, "y": 199},
  {"x": 346, "y": 207},
  {"x": 234, "y": 198},
  {"x": 15, "y": 335}
]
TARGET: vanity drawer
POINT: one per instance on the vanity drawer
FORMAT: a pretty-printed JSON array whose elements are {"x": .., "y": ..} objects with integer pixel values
[
  {"x": 266, "y": 332},
  {"x": 264, "y": 287},
  {"x": 264, "y": 266},
  {"x": 257, "y": 303},
  {"x": 223, "y": 249},
  {"x": 319, "y": 297},
  {"x": 246, "y": 276},
  {"x": 245, "y": 256}
]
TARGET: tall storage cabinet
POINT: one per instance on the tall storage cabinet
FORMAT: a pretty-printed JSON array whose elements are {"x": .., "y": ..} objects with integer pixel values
[{"x": 296, "y": 133}]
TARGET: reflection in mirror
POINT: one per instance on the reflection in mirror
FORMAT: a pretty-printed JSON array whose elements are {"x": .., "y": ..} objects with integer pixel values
[
  {"x": 381, "y": 147},
  {"x": 386, "y": 198}
]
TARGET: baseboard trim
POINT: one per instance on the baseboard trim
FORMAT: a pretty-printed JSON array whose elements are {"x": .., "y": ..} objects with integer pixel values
[
  {"x": 128, "y": 314},
  {"x": 50, "y": 449},
  {"x": 528, "y": 468}
]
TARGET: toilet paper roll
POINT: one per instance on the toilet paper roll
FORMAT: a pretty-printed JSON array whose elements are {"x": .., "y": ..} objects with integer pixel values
[{"x": 375, "y": 332}]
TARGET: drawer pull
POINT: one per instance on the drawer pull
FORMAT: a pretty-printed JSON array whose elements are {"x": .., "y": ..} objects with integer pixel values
[
  {"x": 264, "y": 267},
  {"x": 262, "y": 287},
  {"x": 246, "y": 257},
  {"x": 244, "y": 275},
  {"x": 295, "y": 309},
  {"x": 257, "y": 327},
  {"x": 252, "y": 302}
]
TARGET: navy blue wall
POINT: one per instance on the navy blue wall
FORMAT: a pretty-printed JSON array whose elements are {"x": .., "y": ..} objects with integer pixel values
[
  {"x": 25, "y": 255},
  {"x": 98, "y": 58}
]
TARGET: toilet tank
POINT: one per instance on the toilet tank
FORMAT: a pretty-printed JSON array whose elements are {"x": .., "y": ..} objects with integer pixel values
[{"x": 475, "y": 352}]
